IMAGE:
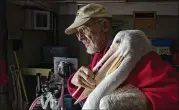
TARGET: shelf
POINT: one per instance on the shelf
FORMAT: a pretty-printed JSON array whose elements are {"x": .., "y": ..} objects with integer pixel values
[
  {"x": 34, "y": 71},
  {"x": 175, "y": 65},
  {"x": 26, "y": 29}
]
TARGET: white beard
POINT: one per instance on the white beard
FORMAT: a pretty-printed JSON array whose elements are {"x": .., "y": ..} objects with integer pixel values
[{"x": 91, "y": 50}]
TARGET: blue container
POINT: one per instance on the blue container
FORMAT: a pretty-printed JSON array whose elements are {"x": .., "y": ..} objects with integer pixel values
[
  {"x": 162, "y": 42},
  {"x": 68, "y": 101}
]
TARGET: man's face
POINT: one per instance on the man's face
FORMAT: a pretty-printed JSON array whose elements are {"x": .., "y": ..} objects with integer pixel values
[{"x": 91, "y": 35}]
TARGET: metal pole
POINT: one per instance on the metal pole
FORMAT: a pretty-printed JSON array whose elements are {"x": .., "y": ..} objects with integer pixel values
[
  {"x": 4, "y": 94},
  {"x": 3, "y": 29}
]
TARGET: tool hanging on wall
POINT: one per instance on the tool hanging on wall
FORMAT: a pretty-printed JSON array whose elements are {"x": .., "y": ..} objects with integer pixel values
[
  {"x": 17, "y": 101},
  {"x": 18, "y": 79},
  {"x": 20, "y": 76}
]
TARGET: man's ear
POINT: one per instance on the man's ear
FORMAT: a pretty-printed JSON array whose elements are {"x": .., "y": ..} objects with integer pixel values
[{"x": 105, "y": 25}]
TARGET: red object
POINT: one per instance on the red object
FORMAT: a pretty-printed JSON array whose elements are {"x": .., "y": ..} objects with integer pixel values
[
  {"x": 158, "y": 80},
  {"x": 3, "y": 77},
  {"x": 175, "y": 58}
]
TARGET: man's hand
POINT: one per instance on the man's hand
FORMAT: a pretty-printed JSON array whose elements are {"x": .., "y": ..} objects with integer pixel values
[{"x": 84, "y": 77}]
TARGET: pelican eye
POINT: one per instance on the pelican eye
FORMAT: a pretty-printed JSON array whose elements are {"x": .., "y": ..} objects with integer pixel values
[{"x": 118, "y": 41}]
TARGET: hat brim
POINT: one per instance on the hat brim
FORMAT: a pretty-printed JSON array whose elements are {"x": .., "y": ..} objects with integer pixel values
[{"x": 73, "y": 27}]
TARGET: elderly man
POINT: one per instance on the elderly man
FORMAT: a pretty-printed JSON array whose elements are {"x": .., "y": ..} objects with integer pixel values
[{"x": 157, "y": 80}]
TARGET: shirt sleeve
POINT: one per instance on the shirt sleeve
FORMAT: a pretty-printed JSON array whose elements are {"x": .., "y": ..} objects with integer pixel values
[{"x": 72, "y": 88}]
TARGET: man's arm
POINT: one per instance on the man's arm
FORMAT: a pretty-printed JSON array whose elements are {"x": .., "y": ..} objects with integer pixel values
[
  {"x": 84, "y": 77},
  {"x": 71, "y": 87}
]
